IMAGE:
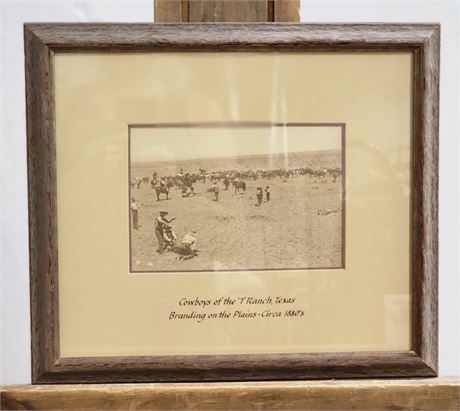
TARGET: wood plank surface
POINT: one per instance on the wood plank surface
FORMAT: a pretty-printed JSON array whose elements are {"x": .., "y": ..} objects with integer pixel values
[
  {"x": 438, "y": 394},
  {"x": 206, "y": 11},
  {"x": 197, "y": 11},
  {"x": 171, "y": 11},
  {"x": 286, "y": 11},
  {"x": 245, "y": 11}
]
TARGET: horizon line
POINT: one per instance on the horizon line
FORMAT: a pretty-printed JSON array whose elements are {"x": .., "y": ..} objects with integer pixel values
[{"x": 229, "y": 156}]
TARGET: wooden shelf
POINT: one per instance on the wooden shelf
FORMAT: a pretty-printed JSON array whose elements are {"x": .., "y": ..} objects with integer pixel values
[{"x": 419, "y": 394}]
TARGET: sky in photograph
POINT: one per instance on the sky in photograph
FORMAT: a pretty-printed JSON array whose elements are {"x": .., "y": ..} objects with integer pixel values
[{"x": 154, "y": 144}]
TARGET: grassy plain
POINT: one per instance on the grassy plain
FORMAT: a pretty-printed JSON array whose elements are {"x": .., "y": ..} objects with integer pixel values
[{"x": 300, "y": 227}]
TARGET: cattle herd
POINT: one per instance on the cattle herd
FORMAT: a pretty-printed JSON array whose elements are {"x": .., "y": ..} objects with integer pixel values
[{"x": 228, "y": 178}]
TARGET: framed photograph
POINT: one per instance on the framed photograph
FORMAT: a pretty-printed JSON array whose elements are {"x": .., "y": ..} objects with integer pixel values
[
  {"x": 231, "y": 202},
  {"x": 240, "y": 165}
]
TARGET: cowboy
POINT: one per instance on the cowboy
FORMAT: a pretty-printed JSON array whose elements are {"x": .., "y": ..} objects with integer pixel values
[
  {"x": 163, "y": 230},
  {"x": 226, "y": 182},
  {"x": 215, "y": 189},
  {"x": 259, "y": 195},
  {"x": 135, "y": 212}
]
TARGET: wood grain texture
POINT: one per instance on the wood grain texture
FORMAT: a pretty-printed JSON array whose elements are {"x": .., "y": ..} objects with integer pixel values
[
  {"x": 206, "y": 11},
  {"x": 43, "y": 40},
  {"x": 237, "y": 367},
  {"x": 195, "y": 11},
  {"x": 425, "y": 200},
  {"x": 241, "y": 37},
  {"x": 286, "y": 11},
  {"x": 41, "y": 156},
  {"x": 329, "y": 395},
  {"x": 245, "y": 11},
  {"x": 171, "y": 11}
]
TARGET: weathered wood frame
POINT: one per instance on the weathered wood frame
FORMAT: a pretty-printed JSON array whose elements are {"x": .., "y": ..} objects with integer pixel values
[{"x": 42, "y": 41}]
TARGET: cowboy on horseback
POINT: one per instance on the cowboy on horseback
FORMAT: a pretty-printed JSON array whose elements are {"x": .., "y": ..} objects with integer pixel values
[{"x": 160, "y": 187}]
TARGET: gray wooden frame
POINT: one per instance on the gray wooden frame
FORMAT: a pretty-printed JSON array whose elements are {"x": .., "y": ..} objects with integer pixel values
[{"x": 42, "y": 41}]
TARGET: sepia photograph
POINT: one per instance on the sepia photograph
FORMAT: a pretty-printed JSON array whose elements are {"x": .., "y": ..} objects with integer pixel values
[{"x": 236, "y": 196}]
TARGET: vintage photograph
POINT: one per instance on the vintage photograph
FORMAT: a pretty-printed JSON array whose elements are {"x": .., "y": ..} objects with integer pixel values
[{"x": 236, "y": 196}]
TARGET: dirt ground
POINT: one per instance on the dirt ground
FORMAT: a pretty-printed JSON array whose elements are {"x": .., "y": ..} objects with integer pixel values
[{"x": 301, "y": 227}]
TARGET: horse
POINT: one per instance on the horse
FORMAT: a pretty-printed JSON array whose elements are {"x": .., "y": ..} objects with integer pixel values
[
  {"x": 161, "y": 190},
  {"x": 239, "y": 185}
]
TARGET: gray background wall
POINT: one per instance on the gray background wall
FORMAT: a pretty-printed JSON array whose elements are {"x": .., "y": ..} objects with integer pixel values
[{"x": 14, "y": 280}]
